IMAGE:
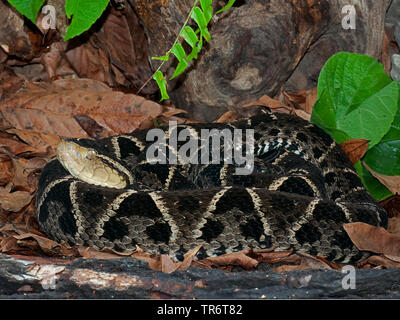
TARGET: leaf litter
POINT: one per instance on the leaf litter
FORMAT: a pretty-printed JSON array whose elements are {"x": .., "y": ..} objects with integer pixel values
[{"x": 39, "y": 114}]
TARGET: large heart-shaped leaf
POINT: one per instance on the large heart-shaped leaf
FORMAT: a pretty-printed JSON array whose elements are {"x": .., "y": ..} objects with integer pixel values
[{"x": 355, "y": 97}]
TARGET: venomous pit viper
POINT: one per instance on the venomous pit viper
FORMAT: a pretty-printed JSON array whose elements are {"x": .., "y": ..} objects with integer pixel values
[{"x": 301, "y": 191}]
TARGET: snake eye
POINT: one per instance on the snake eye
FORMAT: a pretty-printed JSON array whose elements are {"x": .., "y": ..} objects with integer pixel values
[{"x": 91, "y": 154}]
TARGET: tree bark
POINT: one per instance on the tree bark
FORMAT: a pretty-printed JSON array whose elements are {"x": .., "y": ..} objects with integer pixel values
[
  {"x": 260, "y": 47},
  {"x": 128, "y": 278}
]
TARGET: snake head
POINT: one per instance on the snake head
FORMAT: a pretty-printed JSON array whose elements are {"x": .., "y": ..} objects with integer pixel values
[{"x": 89, "y": 166}]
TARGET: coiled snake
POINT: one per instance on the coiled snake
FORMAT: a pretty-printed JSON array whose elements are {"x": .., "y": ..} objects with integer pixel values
[{"x": 300, "y": 192}]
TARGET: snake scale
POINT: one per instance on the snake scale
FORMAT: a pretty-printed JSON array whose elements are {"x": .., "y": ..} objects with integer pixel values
[{"x": 300, "y": 192}]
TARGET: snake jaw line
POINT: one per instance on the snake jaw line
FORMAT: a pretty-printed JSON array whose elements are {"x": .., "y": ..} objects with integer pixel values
[{"x": 86, "y": 165}]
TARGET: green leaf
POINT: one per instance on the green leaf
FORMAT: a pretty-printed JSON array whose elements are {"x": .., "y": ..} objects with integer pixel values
[
  {"x": 195, "y": 51},
  {"x": 384, "y": 158},
  {"x": 206, "y": 5},
  {"x": 373, "y": 186},
  {"x": 163, "y": 58},
  {"x": 190, "y": 36},
  {"x": 162, "y": 84},
  {"x": 179, "y": 52},
  {"x": 28, "y": 8},
  {"x": 355, "y": 97},
  {"x": 84, "y": 13},
  {"x": 230, "y": 4},
  {"x": 198, "y": 16},
  {"x": 180, "y": 68}
]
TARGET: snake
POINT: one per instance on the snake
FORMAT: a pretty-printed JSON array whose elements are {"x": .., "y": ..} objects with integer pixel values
[{"x": 133, "y": 191}]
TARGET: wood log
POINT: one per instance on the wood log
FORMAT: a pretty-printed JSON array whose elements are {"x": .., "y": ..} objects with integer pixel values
[
  {"x": 259, "y": 47},
  {"x": 128, "y": 278}
]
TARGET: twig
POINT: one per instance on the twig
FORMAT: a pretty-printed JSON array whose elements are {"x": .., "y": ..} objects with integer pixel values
[{"x": 169, "y": 51}]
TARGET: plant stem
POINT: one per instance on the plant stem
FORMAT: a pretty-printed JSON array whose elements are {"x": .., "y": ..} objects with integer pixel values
[{"x": 169, "y": 51}]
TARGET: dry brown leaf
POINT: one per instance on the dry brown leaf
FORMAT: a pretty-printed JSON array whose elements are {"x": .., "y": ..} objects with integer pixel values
[
  {"x": 393, "y": 258},
  {"x": 355, "y": 149},
  {"x": 15, "y": 147},
  {"x": 302, "y": 114},
  {"x": 188, "y": 258},
  {"x": 165, "y": 264},
  {"x": 271, "y": 103},
  {"x": 91, "y": 253},
  {"x": 116, "y": 53},
  {"x": 6, "y": 169},
  {"x": 287, "y": 268},
  {"x": 52, "y": 107},
  {"x": 38, "y": 140},
  {"x": 385, "y": 57},
  {"x": 390, "y": 182},
  {"x": 14, "y": 201},
  {"x": 239, "y": 258},
  {"x": 229, "y": 116},
  {"x": 392, "y": 206},
  {"x": 311, "y": 99},
  {"x": 269, "y": 256},
  {"x": 168, "y": 265},
  {"x": 304, "y": 99},
  {"x": 25, "y": 173},
  {"x": 380, "y": 261},
  {"x": 374, "y": 239},
  {"x": 154, "y": 262},
  {"x": 394, "y": 226},
  {"x": 8, "y": 244},
  {"x": 304, "y": 261},
  {"x": 170, "y": 111},
  {"x": 251, "y": 109},
  {"x": 315, "y": 262},
  {"x": 48, "y": 246}
]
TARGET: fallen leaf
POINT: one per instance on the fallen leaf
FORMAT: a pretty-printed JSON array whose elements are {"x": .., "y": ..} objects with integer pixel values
[
  {"x": 392, "y": 206},
  {"x": 6, "y": 169},
  {"x": 311, "y": 99},
  {"x": 390, "y": 182},
  {"x": 394, "y": 226},
  {"x": 268, "y": 256},
  {"x": 316, "y": 262},
  {"x": 8, "y": 244},
  {"x": 305, "y": 99},
  {"x": 53, "y": 107},
  {"x": 48, "y": 246},
  {"x": 167, "y": 264},
  {"x": 288, "y": 268},
  {"x": 169, "y": 112},
  {"x": 380, "y": 261},
  {"x": 14, "y": 201},
  {"x": 271, "y": 103},
  {"x": 302, "y": 114},
  {"x": 154, "y": 261},
  {"x": 91, "y": 253},
  {"x": 305, "y": 261},
  {"x": 188, "y": 258},
  {"x": 251, "y": 109},
  {"x": 39, "y": 141},
  {"x": 355, "y": 149},
  {"x": 375, "y": 239},
  {"x": 239, "y": 258}
]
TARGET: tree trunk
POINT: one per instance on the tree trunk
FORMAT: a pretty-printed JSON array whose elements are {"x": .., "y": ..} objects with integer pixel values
[{"x": 259, "y": 47}]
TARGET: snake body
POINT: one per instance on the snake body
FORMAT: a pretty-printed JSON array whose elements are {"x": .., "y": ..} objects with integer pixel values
[{"x": 302, "y": 189}]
